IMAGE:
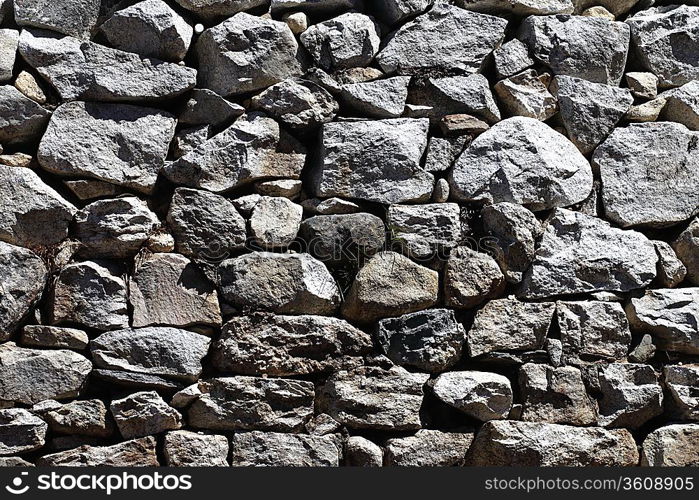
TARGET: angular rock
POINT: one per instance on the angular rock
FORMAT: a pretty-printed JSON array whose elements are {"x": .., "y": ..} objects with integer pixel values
[
  {"x": 274, "y": 222},
  {"x": 683, "y": 384},
  {"x": 389, "y": 285},
  {"x": 168, "y": 289},
  {"x": 686, "y": 246},
  {"x": 393, "y": 12},
  {"x": 118, "y": 143},
  {"x": 28, "y": 85},
  {"x": 522, "y": 160},
  {"x": 511, "y": 58},
  {"x": 23, "y": 276},
  {"x": 555, "y": 395},
  {"x": 430, "y": 340},
  {"x": 346, "y": 41},
  {"x": 428, "y": 448},
  {"x": 442, "y": 152},
  {"x": 87, "y": 294},
  {"x": 672, "y": 446},
  {"x": 644, "y": 351},
  {"x": 590, "y": 48},
  {"x": 275, "y": 449},
  {"x": 666, "y": 43},
  {"x": 518, "y": 7},
  {"x": 480, "y": 395},
  {"x": 511, "y": 325},
  {"x": 288, "y": 345},
  {"x": 206, "y": 107},
  {"x": 251, "y": 403},
  {"x": 589, "y": 110},
  {"x": 525, "y": 94},
  {"x": 115, "y": 228},
  {"x": 14, "y": 462},
  {"x": 20, "y": 431},
  {"x": 471, "y": 278},
  {"x": 671, "y": 271},
  {"x": 281, "y": 283},
  {"x": 210, "y": 10},
  {"x": 425, "y": 232},
  {"x": 143, "y": 414},
  {"x": 683, "y": 105},
  {"x": 189, "y": 139},
  {"x": 374, "y": 398},
  {"x": 533, "y": 444},
  {"x": 253, "y": 148},
  {"x": 315, "y": 7},
  {"x": 84, "y": 418},
  {"x": 22, "y": 120},
  {"x": 32, "y": 375},
  {"x": 139, "y": 381},
  {"x": 90, "y": 189},
  {"x": 379, "y": 98},
  {"x": 642, "y": 85},
  {"x": 195, "y": 449},
  {"x": 135, "y": 453},
  {"x": 582, "y": 254},
  {"x": 72, "y": 17},
  {"x": 299, "y": 104},
  {"x": 342, "y": 238},
  {"x": 86, "y": 70},
  {"x": 374, "y": 161},
  {"x": 149, "y": 28},
  {"x": 168, "y": 352},
  {"x": 615, "y": 7},
  {"x": 8, "y": 50},
  {"x": 331, "y": 206},
  {"x": 592, "y": 329},
  {"x": 360, "y": 452},
  {"x": 459, "y": 94},
  {"x": 246, "y": 53},
  {"x": 54, "y": 337},
  {"x": 631, "y": 395},
  {"x": 285, "y": 188},
  {"x": 632, "y": 197},
  {"x": 427, "y": 44}
]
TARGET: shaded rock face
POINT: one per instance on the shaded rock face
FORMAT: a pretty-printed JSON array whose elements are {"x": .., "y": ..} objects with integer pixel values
[
  {"x": 275, "y": 449},
  {"x": 671, "y": 446},
  {"x": 23, "y": 275},
  {"x": 481, "y": 395},
  {"x": 193, "y": 449},
  {"x": 428, "y": 448}
]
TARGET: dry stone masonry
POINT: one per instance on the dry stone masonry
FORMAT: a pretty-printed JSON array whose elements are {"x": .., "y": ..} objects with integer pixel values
[{"x": 349, "y": 233}]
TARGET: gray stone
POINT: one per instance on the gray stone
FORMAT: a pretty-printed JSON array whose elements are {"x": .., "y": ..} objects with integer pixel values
[
  {"x": 331, "y": 206},
  {"x": 522, "y": 160},
  {"x": 189, "y": 139},
  {"x": 253, "y": 148},
  {"x": 616, "y": 7},
  {"x": 555, "y": 396},
  {"x": 631, "y": 395},
  {"x": 167, "y": 352},
  {"x": 592, "y": 329},
  {"x": 54, "y": 337},
  {"x": 87, "y": 70},
  {"x": 378, "y": 98},
  {"x": 168, "y": 289},
  {"x": 205, "y": 225},
  {"x": 632, "y": 197},
  {"x": 389, "y": 285},
  {"x": 315, "y": 7},
  {"x": 22, "y": 120},
  {"x": 374, "y": 398},
  {"x": 666, "y": 43},
  {"x": 430, "y": 340},
  {"x": 508, "y": 324},
  {"x": 274, "y": 222},
  {"x": 393, "y": 12},
  {"x": 20, "y": 431},
  {"x": 514, "y": 231},
  {"x": 23, "y": 276},
  {"x": 646, "y": 112},
  {"x": 582, "y": 254},
  {"x": 683, "y": 105},
  {"x": 195, "y": 449},
  {"x": 300, "y": 104},
  {"x": 84, "y": 418},
  {"x": 8, "y": 50},
  {"x": 534, "y": 444},
  {"x": 480, "y": 395},
  {"x": 442, "y": 152},
  {"x": 139, "y": 381},
  {"x": 281, "y": 283},
  {"x": 34, "y": 214},
  {"x": 28, "y": 85},
  {"x": 683, "y": 385},
  {"x": 511, "y": 58},
  {"x": 374, "y": 161},
  {"x": 346, "y": 41},
  {"x": 686, "y": 246},
  {"x": 72, "y": 17},
  {"x": 211, "y": 10},
  {"x": 343, "y": 238},
  {"x": 296, "y": 21},
  {"x": 459, "y": 94},
  {"x": 288, "y": 345},
  {"x": 246, "y": 53},
  {"x": 276, "y": 449},
  {"x": 14, "y": 461},
  {"x": 90, "y": 295},
  {"x": 322, "y": 424},
  {"x": 115, "y": 228},
  {"x": 471, "y": 278},
  {"x": 427, "y": 44},
  {"x": 672, "y": 446},
  {"x": 590, "y": 48},
  {"x": 643, "y": 85},
  {"x": 90, "y": 189},
  {"x": 360, "y": 452},
  {"x": 428, "y": 448},
  {"x": 518, "y": 7},
  {"x": 425, "y": 232},
  {"x": 671, "y": 271},
  {"x": 644, "y": 351},
  {"x": 251, "y": 403},
  {"x": 206, "y": 107},
  {"x": 135, "y": 453},
  {"x": 149, "y": 28},
  {"x": 143, "y": 414},
  {"x": 525, "y": 94},
  {"x": 117, "y": 143},
  {"x": 441, "y": 191},
  {"x": 32, "y": 375},
  {"x": 590, "y": 111},
  {"x": 285, "y": 188}
]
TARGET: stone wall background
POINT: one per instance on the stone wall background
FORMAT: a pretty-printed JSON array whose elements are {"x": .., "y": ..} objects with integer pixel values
[{"x": 327, "y": 232}]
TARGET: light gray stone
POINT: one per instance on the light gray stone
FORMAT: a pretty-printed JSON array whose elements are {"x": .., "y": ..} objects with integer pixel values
[
  {"x": 8, "y": 50},
  {"x": 683, "y": 384},
  {"x": 72, "y": 17},
  {"x": 471, "y": 278},
  {"x": 360, "y": 452},
  {"x": 22, "y": 120},
  {"x": 443, "y": 151},
  {"x": 135, "y": 453},
  {"x": 23, "y": 276},
  {"x": 425, "y": 232},
  {"x": 458, "y": 94},
  {"x": 642, "y": 84},
  {"x": 285, "y": 188},
  {"x": 393, "y": 12},
  {"x": 631, "y": 395},
  {"x": 20, "y": 431},
  {"x": 274, "y": 222},
  {"x": 379, "y": 98},
  {"x": 144, "y": 414},
  {"x": 195, "y": 449},
  {"x": 616, "y": 7},
  {"x": 84, "y": 418},
  {"x": 511, "y": 58},
  {"x": 686, "y": 247},
  {"x": 275, "y": 449},
  {"x": 206, "y": 107},
  {"x": 428, "y": 448},
  {"x": 683, "y": 105},
  {"x": 331, "y": 206},
  {"x": 54, "y": 337},
  {"x": 525, "y": 94},
  {"x": 315, "y": 7},
  {"x": 672, "y": 446},
  {"x": 480, "y": 395},
  {"x": 671, "y": 271},
  {"x": 343, "y": 238}
]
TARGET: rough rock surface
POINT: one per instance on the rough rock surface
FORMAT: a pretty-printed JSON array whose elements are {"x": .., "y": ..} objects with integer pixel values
[
  {"x": 360, "y": 452},
  {"x": 481, "y": 395},
  {"x": 20, "y": 431},
  {"x": 23, "y": 120},
  {"x": 275, "y": 449},
  {"x": 672, "y": 446},
  {"x": 72, "y": 17},
  {"x": 424, "y": 232},
  {"x": 275, "y": 222},
  {"x": 428, "y": 448},
  {"x": 54, "y": 336},
  {"x": 683, "y": 382},
  {"x": 525, "y": 94},
  {"x": 135, "y": 453},
  {"x": 631, "y": 395},
  {"x": 195, "y": 449},
  {"x": 143, "y": 414},
  {"x": 686, "y": 246},
  {"x": 84, "y": 418},
  {"x": 471, "y": 278}
]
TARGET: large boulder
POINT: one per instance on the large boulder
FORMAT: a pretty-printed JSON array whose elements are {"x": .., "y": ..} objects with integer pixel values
[{"x": 23, "y": 276}]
